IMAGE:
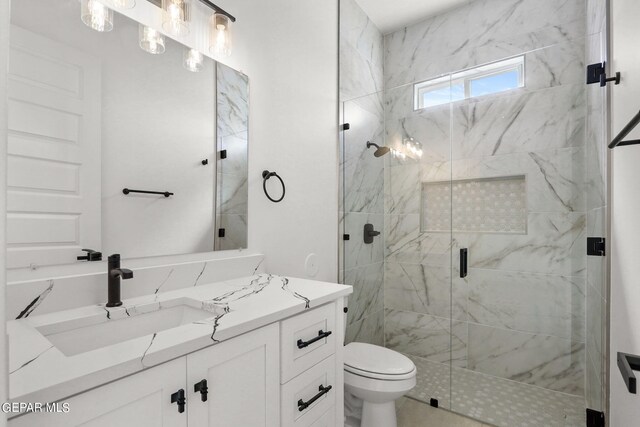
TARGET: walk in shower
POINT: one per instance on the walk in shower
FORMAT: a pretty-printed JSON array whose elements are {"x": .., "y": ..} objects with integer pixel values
[{"x": 494, "y": 178}]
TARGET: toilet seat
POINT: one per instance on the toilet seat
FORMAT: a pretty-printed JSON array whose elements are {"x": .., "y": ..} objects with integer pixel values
[{"x": 372, "y": 361}]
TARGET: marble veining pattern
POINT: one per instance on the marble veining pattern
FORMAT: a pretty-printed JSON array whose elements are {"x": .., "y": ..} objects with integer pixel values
[
  {"x": 51, "y": 295},
  {"x": 41, "y": 372}
]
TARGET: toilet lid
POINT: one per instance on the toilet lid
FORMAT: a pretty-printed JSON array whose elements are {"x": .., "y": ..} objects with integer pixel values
[{"x": 376, "y": 360}]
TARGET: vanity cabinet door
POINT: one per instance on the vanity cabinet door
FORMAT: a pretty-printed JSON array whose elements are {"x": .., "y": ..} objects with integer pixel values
[
  {"x": 242, "y": 379},
  {"x": 141, "y": 400}
]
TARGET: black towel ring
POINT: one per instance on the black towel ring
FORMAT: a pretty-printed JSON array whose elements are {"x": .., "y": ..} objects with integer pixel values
[{"x": 265, "y": 176}]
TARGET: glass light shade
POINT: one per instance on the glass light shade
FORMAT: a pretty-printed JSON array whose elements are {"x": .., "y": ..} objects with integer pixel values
[
  {"x": 220, "y": 35},
  {"x": 175, "y": 17},
  {"x": 193, "y": 60},
  {"x": 150, "y": 40},
  {"x": 120, "y": 4},
  {"x": 96, "y": 15}
]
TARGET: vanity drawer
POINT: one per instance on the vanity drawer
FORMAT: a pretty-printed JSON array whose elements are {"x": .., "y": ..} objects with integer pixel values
[
  {"x": 328, "y": 419},
  {"x": 307, "y": 398},
  {"x": 304, "y": 342}
]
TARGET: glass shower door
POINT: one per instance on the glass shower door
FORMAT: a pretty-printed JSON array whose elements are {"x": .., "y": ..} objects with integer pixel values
[
  {"x": 417, "y": 282},
  {"x": 362, "y": 205},
  {"x": 519, "y": 210}
]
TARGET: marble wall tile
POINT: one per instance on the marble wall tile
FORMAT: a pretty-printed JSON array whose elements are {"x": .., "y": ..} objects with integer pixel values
[
  {"x": 594, "y": 388},
  {"x": 430, "y": 126},
  {"x": 236, "y": 226},
  {"x": 596, "y": 16},
  {"x": 363, "y": 172},
  {"x": 233, "y": 101},
  {"x": 554, "y": 178},
  {"x": 596, "y": 265},
  {"x": 361, "y": 50},
  {"x": 402, "y": 188},
  {"x": 541, "y": 360},
  {"x": 520, "y": 122},
  {"x": 424, "y": 289},
  {"x": 368, "y": 330},
  {"x": 535, "y": 303},
  {"x": 554, "y": 245},
  {"x": 596, "y": 339},
  {"x": 434, "y": 338},
  {"x": 356, "y": 252},
  {"x": 236, "y": 160},
  {"x": 232, "y": 193},
  {"x": 493, "y": 29},
  {"x": 596, "y": 144},
  {"x": 556, "y": 65},
  {"x": 404, "y": 243},
  {"x": 367, "y": 297}
]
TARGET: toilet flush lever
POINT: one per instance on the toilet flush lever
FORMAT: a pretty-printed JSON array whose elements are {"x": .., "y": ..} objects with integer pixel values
[{"x": 369, "y": 233}]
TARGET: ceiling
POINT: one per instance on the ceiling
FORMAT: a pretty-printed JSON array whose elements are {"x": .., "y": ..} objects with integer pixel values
[{"x": 393, "y": 15}]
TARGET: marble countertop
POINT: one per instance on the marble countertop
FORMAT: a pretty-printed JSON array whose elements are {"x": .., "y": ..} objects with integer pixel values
[{"x": 40, "y": 372}]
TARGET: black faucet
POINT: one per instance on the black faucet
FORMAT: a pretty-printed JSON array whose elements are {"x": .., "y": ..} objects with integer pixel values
[{"x": 114, "y": 274}]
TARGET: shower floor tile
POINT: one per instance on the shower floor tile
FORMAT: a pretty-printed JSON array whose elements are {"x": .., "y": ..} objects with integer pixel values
[{"x": 495, "y": 400}]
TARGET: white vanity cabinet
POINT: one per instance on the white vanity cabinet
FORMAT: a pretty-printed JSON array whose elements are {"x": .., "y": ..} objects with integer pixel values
[
  {"x": 288, "y": 374},
  {"x": 242, "y": 381},
  {"x": 141, "y": 400}
]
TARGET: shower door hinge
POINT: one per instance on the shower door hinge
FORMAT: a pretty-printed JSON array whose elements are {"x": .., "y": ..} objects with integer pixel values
[
  {"x": 596, "y": 74},
  {"x": 595, "y": 418},
  {"x": 345, "y": 126},
  {"x": 223, "y": 154},
  {"x": 221, "y": 232},
  {"x": 345, "y": 237},
  {"x": 596, "y": 246}
]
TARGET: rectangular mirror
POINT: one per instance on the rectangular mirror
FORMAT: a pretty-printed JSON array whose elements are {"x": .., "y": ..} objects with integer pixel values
[{"x": 116, "y": 149}]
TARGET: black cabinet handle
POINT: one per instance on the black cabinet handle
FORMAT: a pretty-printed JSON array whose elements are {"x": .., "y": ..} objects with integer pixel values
[
  {"x": 202, "y": 388},
  {"x": 179, "y": 398},
  {"x": 321, "y": 335},
  {"x": 463, "y": 262},
  {"x": 302, "y": 405}
]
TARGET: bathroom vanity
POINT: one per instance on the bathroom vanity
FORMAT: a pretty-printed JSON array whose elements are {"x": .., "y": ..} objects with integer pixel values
[{"x": 263, "y": 350}]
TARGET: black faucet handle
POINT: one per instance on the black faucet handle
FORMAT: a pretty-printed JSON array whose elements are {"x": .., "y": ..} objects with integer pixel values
[
  {"x": 125, "y": 273},
  {"x": 90, "y": 256}
]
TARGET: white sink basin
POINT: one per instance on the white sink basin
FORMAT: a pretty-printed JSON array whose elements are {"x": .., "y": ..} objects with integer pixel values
[{"x": 90, "y": 333}]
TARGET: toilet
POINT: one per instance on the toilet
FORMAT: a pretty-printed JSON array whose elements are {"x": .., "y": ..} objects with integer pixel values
[{"x": 374, "y": 377}]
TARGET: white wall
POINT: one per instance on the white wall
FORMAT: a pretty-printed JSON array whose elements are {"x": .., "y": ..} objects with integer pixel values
[
  {"x": 625, "y": 207},
  {"x": 289, "y": 50},
  {"x": 4, "y": 53}
]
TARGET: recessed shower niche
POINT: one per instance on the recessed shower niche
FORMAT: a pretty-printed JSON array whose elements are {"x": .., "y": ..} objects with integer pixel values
[{"x": 483, "y": 205}]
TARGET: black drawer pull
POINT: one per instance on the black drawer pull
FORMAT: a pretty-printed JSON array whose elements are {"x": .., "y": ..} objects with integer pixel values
[
  {"x": 302, "y": 405},
  {"x": 202, "y": 388},
  {"x": 321, "y": 335},
  {"x": 178, "y": 397}
]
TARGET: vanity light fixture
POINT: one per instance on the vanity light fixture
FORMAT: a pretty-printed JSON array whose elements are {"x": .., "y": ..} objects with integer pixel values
[
  {"x": 220, "y": 35},
  {"x": 193, "y": 60},
  {"x": 150, "y": 40},
  {"x": 175, "y": 19},
  {"x": 96, "y": 15}
]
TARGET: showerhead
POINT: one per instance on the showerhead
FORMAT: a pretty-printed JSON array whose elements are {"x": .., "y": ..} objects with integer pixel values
[{"x": 380, "y": 151}]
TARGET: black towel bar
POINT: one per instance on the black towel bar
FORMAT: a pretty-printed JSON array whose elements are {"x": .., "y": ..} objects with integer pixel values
[
  {"x": 618, "y": 140},
  {"x": 164, "y": 193}
]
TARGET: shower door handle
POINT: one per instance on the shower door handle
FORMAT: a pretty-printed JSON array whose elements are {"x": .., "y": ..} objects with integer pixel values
[{"x": 463, "y": 262}]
